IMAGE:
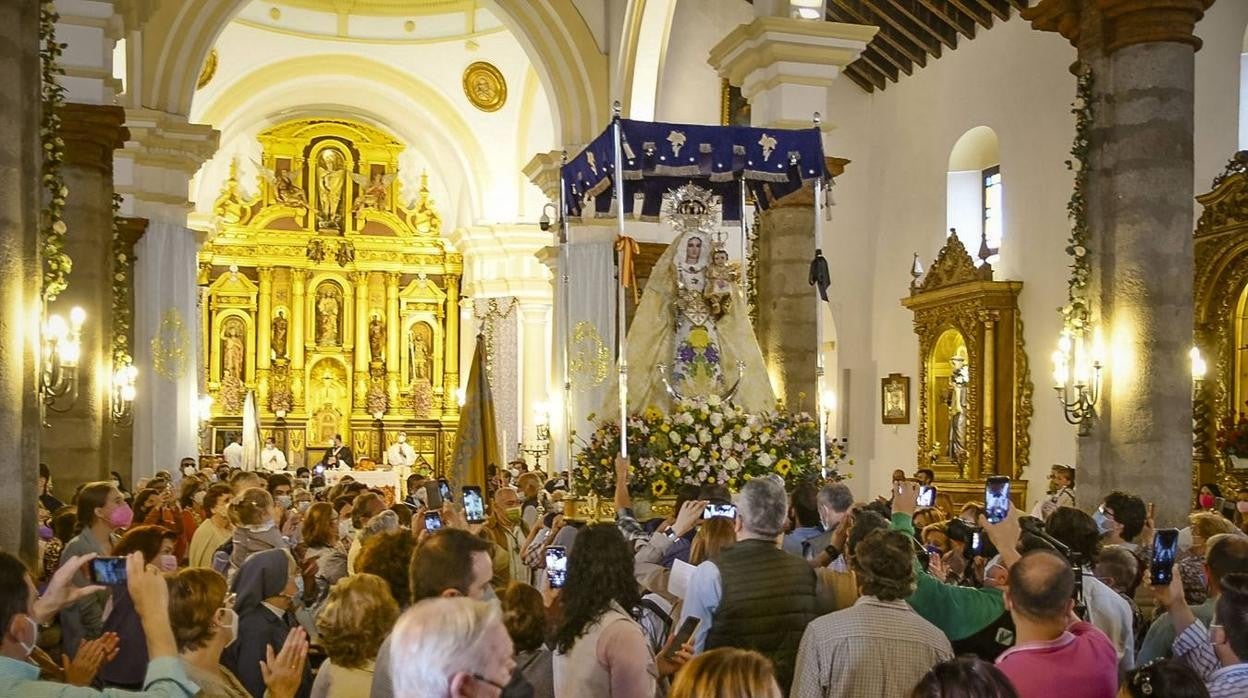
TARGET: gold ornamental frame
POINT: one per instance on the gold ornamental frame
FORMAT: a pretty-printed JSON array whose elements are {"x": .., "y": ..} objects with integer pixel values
[
  {"x": 484, "y": 86},
  {"x": 957, "y": 295}
]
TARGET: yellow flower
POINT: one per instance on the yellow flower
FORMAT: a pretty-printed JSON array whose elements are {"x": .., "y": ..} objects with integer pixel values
[
  {"x": 665, "y": 428},
  {"x": 699, "y": 338},
  {"x": 658, "y": 488},
  {"x": 783, "y": 466}
]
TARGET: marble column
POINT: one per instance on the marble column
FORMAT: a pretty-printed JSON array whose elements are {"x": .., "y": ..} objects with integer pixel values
[
  {"x": 131, "y": 231},
  {"x": 78, "y": 445},
  {"x": 1140, "y": 213},
  {"x": 534, "y": 319},
  {"x": 20, "y": 155},
  {"x": 450, "y": 354}
]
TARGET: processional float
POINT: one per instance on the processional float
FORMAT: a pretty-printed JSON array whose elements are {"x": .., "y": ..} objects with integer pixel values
[{"x": 643, "y": 160}]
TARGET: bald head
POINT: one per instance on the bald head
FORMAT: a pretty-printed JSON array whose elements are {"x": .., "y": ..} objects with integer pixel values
[{"x": 1041, "y": 585}]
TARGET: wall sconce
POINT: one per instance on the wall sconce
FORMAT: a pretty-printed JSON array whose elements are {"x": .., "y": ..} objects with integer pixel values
[
  {"x": 1077, "y": 381},
  {"x": 60, "y": 351},
  {"x": 807, "y": 9},
  {"x": 1200, "y": 409},
  {"x": 122, "y": 403}
]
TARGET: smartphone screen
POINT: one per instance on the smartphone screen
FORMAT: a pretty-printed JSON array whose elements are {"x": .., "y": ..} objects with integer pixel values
[
  {"x": 687, "y": 629},
  {"x": 927, "y": 496},
  {"x": 319, "y": 469},
  {"x": 997, "y": 499},
  {"x": 976, "y": 546},
  {"x": 556, "y": 566},
  {"x": 433, "y": 496},
  {"x": 723, "y": 510},
  {"x": 474, "y": 504},
  {"x": 433, "y": 520},
  {"x": 444, "y": 488},
  {"x": 1165, "y": 544},
  {"x": 110, "y": 571}
]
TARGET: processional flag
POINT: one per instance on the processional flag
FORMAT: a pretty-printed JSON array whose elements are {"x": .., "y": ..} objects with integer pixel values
[{"x": 476, "y": 442}]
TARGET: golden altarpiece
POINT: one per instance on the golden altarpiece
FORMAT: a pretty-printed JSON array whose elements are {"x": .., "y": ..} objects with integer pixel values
[
  {"x": 974, "y": 390},
  {"x": 1220, "y": 295},
  {"x": 331, "y": 300}
]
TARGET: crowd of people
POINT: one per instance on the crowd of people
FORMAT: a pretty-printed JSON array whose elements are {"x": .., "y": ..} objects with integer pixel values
[{"x": 226, "y": 583}]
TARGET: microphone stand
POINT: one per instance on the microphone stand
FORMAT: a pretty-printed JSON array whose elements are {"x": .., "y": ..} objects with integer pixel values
[{"x": 1036, "y": 528}]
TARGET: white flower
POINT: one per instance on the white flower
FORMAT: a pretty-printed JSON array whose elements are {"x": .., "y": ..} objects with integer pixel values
[
  {"x": 764, "y": 437},
  {"x": 714, "y": 400},
  {"x": 717, "y": 420},
  {"x": 684, "y": 419},
  {"x": 732, "y": 464},
  {"x": 765, "y": 459},
  {"x": 695, "y": 454},
  {"x": 674, "y": 436},
  {"x": 725, "y": 441},
  {"x": 745, "y": 434},
  {"x": 704, "y": 436}
]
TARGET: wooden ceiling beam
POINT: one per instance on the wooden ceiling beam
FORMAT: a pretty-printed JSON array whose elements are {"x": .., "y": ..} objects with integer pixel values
[
  {"x": 949, "y": 17},
  {"x": 948, "y": 37},
  {"x": 1019, "y": 4},
  {"x": 996, "y": 7},
  {"x": 900, "y": 62},
  {"x": 857, "y": 16},
  {"x": 868, "y": 58},
  {"x": 869, "y": 74},
  {"x": 857, "y": 78},
  {"x": 927, "y": 45},
  {"x": 982, "y": 18}
]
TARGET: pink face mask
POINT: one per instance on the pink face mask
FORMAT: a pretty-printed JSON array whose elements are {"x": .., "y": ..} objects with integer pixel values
[
  {"x": 167, "y": 563},
  {"x": 1206, "y": 501},
  {"x": 121, "y": 517},
  {"x": 1242, "y": 507}
]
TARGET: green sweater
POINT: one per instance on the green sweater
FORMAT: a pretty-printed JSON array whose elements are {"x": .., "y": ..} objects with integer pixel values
[{"x": 959, "y": 612}]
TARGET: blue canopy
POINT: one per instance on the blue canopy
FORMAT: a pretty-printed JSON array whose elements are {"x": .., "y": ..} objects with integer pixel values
[{"x": 661, "y": 156}]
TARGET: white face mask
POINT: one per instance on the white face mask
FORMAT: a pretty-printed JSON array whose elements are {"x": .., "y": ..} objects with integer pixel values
[
  {"x": 344, "y": 528},
  {"x": 227, "y": 619},
  {"x": 34, "y": 636},
  {"x": 283, "y": 501},
  {"x": 261, "y": 528},
  {"x": 303, "y": 506},
  {"x": 198, "y": 497}
]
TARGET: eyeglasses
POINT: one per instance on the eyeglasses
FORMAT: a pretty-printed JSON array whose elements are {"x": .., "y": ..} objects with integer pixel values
[{"x": 491, "y": 682}]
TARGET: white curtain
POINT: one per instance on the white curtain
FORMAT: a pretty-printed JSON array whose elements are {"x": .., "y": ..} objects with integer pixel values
[
  {"x": 166, "y": 408},
  {"x": 587, "y": 329}
]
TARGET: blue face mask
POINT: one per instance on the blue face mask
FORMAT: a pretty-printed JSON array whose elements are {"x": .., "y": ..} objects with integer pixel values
[{"x": 1102, "y": 522}]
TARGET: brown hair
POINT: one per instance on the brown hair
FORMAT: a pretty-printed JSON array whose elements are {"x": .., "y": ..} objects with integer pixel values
[
  {"x": 195, "y": 594},
  {"x": 360, "y": 508},
  {"x": 144, "y": 539},
  {"x": 388, "y": 555},
  {"x": 713, "y": 537},
  {"x": 215, "y": 493},
  {"x": 92, "y": 496},
  {"x": 964, "y": 677},
  {"x": 524, "y": 614},
  {"x": 356, "y": 617},
  {"x": 884, "y": 565},
  {"x": 726, "y": 672},
  {"x": 318, "y": 525},
  {"x": 251, "y": 507},
  {"x": 444, "y": 561}
]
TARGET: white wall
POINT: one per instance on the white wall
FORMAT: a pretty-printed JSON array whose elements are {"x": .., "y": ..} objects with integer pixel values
[{"x": 689, "y": 88}]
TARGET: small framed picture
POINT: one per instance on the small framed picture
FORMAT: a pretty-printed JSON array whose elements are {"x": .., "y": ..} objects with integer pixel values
[{"x": 895, "y": 399}]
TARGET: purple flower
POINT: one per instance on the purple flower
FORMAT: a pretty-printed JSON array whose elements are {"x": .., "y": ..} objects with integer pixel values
[
  {"x": 685, "y": 353},
  {"x": 711, "y": 354}
]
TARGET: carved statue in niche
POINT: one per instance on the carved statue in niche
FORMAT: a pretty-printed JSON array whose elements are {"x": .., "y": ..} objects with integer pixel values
[
  {"x": 279, "y": 335},
  {"x": 374, "y": 191},
  {"x": 328, "y": 308},
  {"x": 233, "y": 348},
  {"x": 955, "y": 402},
  {"x": 420, "y": 362},
  {"x": 284, "y": 188},
  {"x": 331, "y": 178},
  {"x": 376, "y": 337}
]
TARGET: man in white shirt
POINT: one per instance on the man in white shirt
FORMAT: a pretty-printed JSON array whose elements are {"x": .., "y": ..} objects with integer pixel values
[
  {"x": 400, "y": 454},
  {"x": 233, "y": 453},
  {"x": 271, "y": 458}
]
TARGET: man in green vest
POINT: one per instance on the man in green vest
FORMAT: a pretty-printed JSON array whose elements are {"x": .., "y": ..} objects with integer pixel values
[{"x": 757, "y": 596}]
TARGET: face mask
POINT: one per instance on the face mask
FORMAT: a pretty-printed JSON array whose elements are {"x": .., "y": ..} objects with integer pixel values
[
  {"x": 198, "y": 497},
  {"x": 261, "y": 528},
  {"x": 188, "y": 470},
  {"x": 344, "y": 528},
  {"x": 1206, "y": 501},
  {"x": 34, "y": 636},
  {"x": 45, "y": 533},
  {"x": 121, "y": 517},
  {"x": 1102, "y": 522},
  {"x": 228, "y": 622},
  {"x": 513, "y": 514},
  {"x": 283, "y": 501},
  {"x": 303, "y": 506},
  {"x": 167, "y": 563}
]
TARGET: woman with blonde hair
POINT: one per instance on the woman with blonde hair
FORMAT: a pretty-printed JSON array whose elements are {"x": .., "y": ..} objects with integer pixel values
[
  {"x": 712, "y": 538},
  {"x": 726, "y": 672},
  {"x": 355, "y": 620}
]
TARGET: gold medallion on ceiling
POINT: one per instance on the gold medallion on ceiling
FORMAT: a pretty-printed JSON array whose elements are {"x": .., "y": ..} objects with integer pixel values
[
  {"x": 484, "y": 86},
  {"x": 209, "y": 70}
]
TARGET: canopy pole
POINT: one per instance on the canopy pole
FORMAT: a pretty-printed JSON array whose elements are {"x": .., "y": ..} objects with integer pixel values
[
  {"x": 821, "y": 409},
  {"x": 621, "y": 325},
  {"x": 745, "y": 241},
  {"x": 566, "y": 299}
]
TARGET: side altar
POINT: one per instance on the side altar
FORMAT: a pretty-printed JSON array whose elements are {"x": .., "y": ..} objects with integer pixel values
[{"x": 330, "y": 295}]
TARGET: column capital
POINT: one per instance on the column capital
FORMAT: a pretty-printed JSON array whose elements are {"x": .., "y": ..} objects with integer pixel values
[
  {"x": 131, "y": 231},
  {"x": 265, "y": 274},
  {"x": 543, "y": 171},
  {"x": 360, "y": 278},
  {"x": 1122, "y": 22},
  {"x": 160, "y": 156},
  {"x": 92, "y": 132},
  {"x": 392, "y": 280}
]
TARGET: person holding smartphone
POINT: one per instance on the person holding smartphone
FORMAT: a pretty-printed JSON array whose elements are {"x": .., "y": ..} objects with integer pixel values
[{"x": 503, "y": 528}]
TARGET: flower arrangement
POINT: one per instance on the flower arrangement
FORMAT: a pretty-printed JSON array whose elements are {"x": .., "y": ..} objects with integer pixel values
[
  {"x": 52, "y": 228},
  {"x": 1232, "y": 438},
  {"x": 700, "y": 441},
  {"x": 1076, "y": 314}
]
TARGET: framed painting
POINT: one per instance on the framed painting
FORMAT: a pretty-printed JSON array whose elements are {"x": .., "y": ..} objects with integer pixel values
[
  {"x": 895, "y": 399},
  {"x": 734, "y": 109}
]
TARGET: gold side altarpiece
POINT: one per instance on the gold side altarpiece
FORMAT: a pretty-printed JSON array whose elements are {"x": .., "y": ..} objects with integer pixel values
[
  {"x": 974, "y": 389},
  {"x": 1221, "y": 321},
  {"x": 332, "y": 298}
]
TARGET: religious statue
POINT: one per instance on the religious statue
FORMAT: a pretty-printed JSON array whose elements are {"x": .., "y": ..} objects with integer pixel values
[
  {"x": 331, "y": 176},
  {"x": 376, "y": 337},
  {"x": 955, "y": 400},
  {"x": 691, "y": 322},
  {"x": 233, "y": 350},
  {"x": 418, "y": 353},
  {"x": 373, "y": 192},
  {"x": 278, "y": 339},
  {"x": 284, "y": 188},
  {"x": 327, "y": 307}
]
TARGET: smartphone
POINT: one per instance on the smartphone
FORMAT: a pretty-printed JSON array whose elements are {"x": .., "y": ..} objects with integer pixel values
[
  {"x": 318, "y": 469},
  {"x": 720, "y": 510},
  {"x": 433, "y": 520},
  {"x": 686, "y": 631},
  {"x": 927, "y": 496},
  {"x": 433, "y": 496},
  {"x": 975, "y": 547},
  {"x": 997, "y": 498},
  {"x": 109, "y": 571},
  {"x": 1165, "y": 545},
  {"x": 444, "y": 488},
  {"x": 474, "y": 504},
  {"x": 556, "y": 566}
]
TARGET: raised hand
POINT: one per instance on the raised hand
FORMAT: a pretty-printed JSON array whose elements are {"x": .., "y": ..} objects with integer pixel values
[
  {"x": 92, "y": 655},
  {"x": 283, "y": 672},
  {"x": 669, "y": 665},
  {"x": 906, "y": 500},
  {"x": 689, "y": 515},
  {"x": 1004, "y": 535},
  {"x": 61, "y": 590}
]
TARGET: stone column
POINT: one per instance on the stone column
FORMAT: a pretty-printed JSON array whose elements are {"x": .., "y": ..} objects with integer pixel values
[
  {"x": 20, "y": 161},
  {"x": 535, "y": 364},
  {"x": 450, "y": 353},
  {"x": 395, "y": 355},
  {"x": 78, "y": 444},
  {"x": 122, "y": 449},
  {"x": 264, "y": 347},
  {"x": 360, "y": 280},
  {"x": 1140, "y": 188}
]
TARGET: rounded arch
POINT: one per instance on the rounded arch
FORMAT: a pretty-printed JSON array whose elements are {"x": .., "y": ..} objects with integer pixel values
[
  {"x": 975, "y": 149},
  {"x": 177, "y": 38},
  {"x": 973, "y": 204},
  {"x": 643, "y": 49}
]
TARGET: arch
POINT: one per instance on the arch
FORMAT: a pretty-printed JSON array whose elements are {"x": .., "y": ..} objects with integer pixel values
[
  {"x": 561, "y": 47},
  {"x": 1243, "y": 93},
  {"x": 643, "y": 49},
  {"x": 974, "y": 189}
]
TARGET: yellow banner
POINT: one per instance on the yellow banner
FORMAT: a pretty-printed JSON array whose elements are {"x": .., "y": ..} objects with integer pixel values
[{"x": 476, "y": 442}]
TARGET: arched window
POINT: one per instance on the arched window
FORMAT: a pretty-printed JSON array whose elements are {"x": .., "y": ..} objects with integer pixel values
[{"x": 975, "y": 193}]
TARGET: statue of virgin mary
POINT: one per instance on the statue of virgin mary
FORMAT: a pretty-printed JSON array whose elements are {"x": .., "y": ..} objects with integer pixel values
[{"x": 691, "y": 336}]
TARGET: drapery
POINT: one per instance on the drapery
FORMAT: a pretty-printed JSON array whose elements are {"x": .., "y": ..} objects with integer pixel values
[{"x": 166, "y": 347}]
